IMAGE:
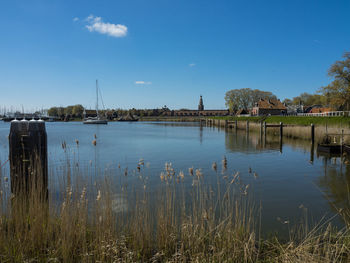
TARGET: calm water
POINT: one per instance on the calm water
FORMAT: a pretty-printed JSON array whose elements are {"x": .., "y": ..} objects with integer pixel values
[{"x": 290, "y": 177}]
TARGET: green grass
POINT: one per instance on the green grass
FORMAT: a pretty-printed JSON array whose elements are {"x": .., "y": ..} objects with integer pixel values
[{"x": 297, "y": 120}]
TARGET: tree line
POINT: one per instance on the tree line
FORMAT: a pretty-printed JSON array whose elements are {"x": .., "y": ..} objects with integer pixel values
[
  {"x": 77, "y": 111},
  {"x": 335, "y": 95}
]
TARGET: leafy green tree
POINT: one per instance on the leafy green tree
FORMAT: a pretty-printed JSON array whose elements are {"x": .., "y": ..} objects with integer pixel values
[
  {"x": 287, "y": 102},
  {"x": 68, "y": 110},
  {"x": 78, "y": 110},
  {"x": 245, "y": 98},
  {"x": 53, "y": 111},
  {"x": 309, "y": 99},
  {"x": 338, "y": 91}
]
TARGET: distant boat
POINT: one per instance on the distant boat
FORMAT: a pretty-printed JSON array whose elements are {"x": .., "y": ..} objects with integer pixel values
[{"x": 98, "y": 119}]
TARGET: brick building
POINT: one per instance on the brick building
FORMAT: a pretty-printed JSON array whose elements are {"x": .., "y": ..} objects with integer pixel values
[{"x": 269, "y": 107}]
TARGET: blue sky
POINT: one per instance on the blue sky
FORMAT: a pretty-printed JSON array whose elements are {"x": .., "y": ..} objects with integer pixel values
[{"x": 147, "y": 54}]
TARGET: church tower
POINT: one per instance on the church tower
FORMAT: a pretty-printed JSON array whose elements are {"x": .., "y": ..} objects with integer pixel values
[{"x": 200, "y": 105}]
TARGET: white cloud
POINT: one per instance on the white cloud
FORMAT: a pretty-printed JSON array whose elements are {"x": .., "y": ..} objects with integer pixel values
[
  {"x": 95, "y": 24},
  {"x": 192, "y": 64},
  {"x": 141, "y": 82},
  {"x": 75, "y": 19}
]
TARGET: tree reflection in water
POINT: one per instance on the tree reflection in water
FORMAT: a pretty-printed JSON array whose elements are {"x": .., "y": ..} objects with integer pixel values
[{"x": 335, "y": 184}]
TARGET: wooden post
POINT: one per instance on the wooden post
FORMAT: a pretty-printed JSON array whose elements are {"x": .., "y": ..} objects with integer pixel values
[
  {"x": 235, "y": 125},
  {"x": 342, "y": 144},
  {"x": 28, "y": 158},
  {"x": 312, "y": 133},
  {"x": 226, "y": 124},
  {"x": 264, "y": 127},
  {"x": 281, "y": 136},
  {"x": 261, "y": 129},
  {"x": 247, "y": 127},
  {"x": 281, "y": 129}
]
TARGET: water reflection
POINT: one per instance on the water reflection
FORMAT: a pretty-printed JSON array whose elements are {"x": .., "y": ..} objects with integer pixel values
[
  {"x": 250, "y": 142},
  {"x": 335, "y": 183},
  {"x": 333, "y": 171}
]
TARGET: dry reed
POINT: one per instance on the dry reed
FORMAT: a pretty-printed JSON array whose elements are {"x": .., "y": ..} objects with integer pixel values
[{"x": 117, "y": 218}]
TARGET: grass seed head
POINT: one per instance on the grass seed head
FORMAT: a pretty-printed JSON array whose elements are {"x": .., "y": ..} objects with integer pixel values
[
  {"x": 190, "y": 170},
  {"x": 214, "y": 166}
]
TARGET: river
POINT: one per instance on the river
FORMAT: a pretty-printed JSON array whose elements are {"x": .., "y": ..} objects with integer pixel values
[{"x": 287, "y": 179}]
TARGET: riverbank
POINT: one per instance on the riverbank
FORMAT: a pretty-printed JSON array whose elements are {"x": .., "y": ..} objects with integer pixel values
[
  {"x": 107, "y": 221},
  {"x": 293, "y": 127},
  {"x": 338, "y": 121}
]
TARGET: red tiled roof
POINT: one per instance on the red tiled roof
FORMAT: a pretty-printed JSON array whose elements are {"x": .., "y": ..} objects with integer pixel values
[
  {"x": 320, "y": 110},
  {"x": 271, "y": 104}
]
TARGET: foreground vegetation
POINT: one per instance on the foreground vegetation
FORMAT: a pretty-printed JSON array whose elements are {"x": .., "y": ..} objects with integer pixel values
[{"x": 117, "y": 218}]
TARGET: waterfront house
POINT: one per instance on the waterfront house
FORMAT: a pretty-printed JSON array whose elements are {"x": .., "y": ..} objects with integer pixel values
[
  {"x": 317, "y": 109},
  {"x": 269, "y": 107}
]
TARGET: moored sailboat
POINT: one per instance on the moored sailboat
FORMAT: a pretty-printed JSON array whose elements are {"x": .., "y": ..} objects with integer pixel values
[{"x": 98, "y": 119}]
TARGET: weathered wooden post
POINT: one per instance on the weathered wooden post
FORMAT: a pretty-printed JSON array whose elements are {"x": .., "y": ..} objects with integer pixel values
[
  {"x": 247, "y": 128},
  {"x": 312, "y": 133},
  {"x": 264, "y": 134},
  {"x": 342, "y": 144},
  {"x": 281, "y": 129},
  {"x": 28, "y": 158},
  {"x": 236, "y": 126},
  {"x": 281, "y": 136},
  {"x": 261, "y": 129}
]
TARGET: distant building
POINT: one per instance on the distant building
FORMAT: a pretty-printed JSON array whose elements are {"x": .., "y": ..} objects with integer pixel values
[
  {"x": 269, "y": 107},
  {"x": 200, "y": 105},
  {"x": 317, "y": 109},
  {"x": 199, "y": 112},
  {"x": 320, "y": 110}
]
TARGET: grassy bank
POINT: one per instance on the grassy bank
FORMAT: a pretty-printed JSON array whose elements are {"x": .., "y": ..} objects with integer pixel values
[
  {"x": 170, "y": 118},
  {"x": 296, "y": 120},
  {"x": 116, "y": 218}
]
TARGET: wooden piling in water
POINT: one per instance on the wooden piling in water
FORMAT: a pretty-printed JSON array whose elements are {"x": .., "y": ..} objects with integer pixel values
[
  {"x": 235, "y": 125},
  {"x": 247, "y": 128},
  {"x": 312, "y": 133},
  {"x": 28, "y": 157},
  {"x": 281, "y": 129}
]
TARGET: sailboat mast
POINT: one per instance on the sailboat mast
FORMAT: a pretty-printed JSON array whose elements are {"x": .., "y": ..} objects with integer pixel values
[{"x": 97, "y": 98}]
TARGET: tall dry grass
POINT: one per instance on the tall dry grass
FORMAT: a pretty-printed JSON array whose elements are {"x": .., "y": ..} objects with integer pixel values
[{"x": 128, "y": 216}]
